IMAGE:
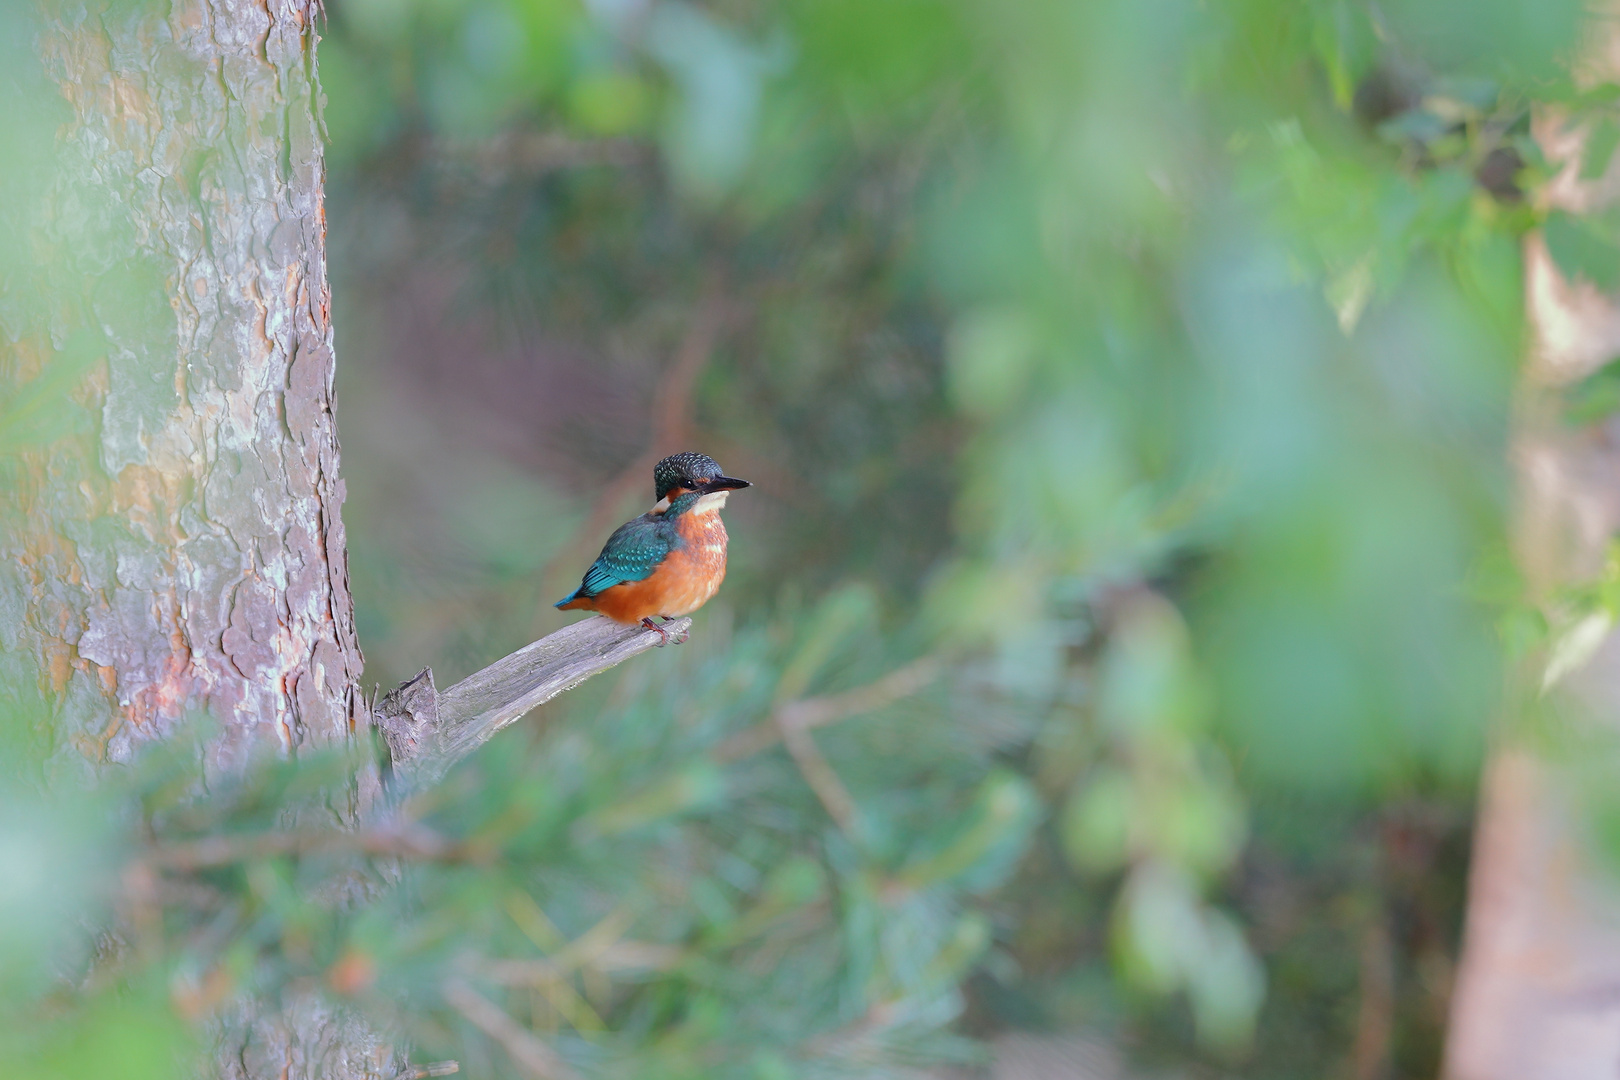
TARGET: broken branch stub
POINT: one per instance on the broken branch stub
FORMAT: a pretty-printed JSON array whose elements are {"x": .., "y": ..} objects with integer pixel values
[{"x": 429, "y": 730}]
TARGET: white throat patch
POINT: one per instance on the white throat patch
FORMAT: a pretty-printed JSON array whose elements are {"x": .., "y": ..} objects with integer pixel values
[{"x": 711, "y": 502}]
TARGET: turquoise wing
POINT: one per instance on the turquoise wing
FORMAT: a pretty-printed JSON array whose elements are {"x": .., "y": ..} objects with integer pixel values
[{"x": 631, "y": 554}]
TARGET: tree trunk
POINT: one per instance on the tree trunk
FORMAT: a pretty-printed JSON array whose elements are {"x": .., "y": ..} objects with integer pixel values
[
  {"x": 1538, "y": 990},
  {"x": 182, "y": 550},
  {"x": 176, "y": 546}
]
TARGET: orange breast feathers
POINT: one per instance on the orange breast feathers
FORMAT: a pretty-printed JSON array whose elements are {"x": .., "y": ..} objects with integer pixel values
[{"x": 687, "y": 579}]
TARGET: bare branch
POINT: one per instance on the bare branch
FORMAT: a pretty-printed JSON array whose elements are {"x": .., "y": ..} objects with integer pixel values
[
  {"x": 526, "y": 1049},
  {"x": 428, "y": 741}
]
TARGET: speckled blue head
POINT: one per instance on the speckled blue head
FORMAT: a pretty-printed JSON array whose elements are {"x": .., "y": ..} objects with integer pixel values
[{"x": 691, "y": 472}]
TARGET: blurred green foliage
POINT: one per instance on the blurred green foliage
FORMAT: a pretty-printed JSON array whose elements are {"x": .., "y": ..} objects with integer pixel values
[{"x": 1148, "y": 362}]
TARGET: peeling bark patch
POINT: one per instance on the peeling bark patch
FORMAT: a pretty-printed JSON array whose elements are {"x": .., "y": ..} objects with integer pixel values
[
  {"x": 311, "y": 373},
  {"x": 249, "y": 640}
]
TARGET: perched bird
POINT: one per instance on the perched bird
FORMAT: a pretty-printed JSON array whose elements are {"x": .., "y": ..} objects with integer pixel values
[{"x": 670, "y": 560}]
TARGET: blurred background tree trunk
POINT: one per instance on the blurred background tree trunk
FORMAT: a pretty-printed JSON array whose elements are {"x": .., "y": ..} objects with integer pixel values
[
  {"x": 177, "y": 548},
  {"x": 1538, "y": 986}
]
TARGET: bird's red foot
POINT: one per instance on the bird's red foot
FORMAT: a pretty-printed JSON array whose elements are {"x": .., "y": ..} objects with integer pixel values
[{"x": 663, "y": 635}]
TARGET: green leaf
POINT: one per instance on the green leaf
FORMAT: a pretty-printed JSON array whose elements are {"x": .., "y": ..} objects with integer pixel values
[
  {"x": 1096, "y": 823},
  {"x": 1583, "y": 249},
  {"x": 991, "y": 355},
  {"x": 1414, "y": 125},
  {"x": 1594, "y": 397},
  {"x": 1600, "y": 144}
]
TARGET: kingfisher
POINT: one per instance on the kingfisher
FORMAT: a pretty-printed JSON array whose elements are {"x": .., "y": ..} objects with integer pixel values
[{"x": 669, "y": 561}]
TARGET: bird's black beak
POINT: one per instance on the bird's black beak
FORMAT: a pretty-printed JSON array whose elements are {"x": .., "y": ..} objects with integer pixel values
[{"x": 724, "y": 483}]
